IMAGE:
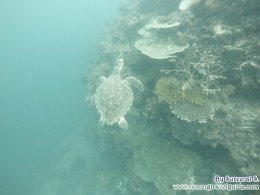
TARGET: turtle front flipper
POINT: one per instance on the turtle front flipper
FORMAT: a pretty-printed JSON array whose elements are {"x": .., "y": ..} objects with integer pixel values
[
  {"x": 123, "y": 123},
  {"x": 100, "y": 80},
  {"x": 134, "y": 82}
]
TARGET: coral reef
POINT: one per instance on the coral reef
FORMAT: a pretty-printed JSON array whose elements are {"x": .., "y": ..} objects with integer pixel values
[
  {"x": 187, "y": 104},
  {"x": 168, "y": 90},
  {"x": 241, "y": 129},
  {"x": 193, "y": 112},
  {"x": 196, "y": 59},
  {"x": 153, "y": 165},
  {"x": 162, "y": 36},
  {"x": 198, "y": 68}
]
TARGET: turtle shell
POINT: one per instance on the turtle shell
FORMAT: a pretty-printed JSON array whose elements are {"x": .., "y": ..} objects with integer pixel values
[{"x": 113, "y": 99}]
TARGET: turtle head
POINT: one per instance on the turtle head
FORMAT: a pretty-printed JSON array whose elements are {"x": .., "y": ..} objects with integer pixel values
[{"x": 118, "y": 66}]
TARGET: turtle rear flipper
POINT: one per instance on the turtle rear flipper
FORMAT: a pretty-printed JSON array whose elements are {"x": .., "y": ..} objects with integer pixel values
[
  {"x": 134, "y": 82},
  {"x": 101, "y": 123},
  {"x": 123, "y": 123}
]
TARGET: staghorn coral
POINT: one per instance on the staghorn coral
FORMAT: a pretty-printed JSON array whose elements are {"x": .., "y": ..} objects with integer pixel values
[
  {"x": 189, "y": 104},
  {"x": 198, "y": 68}
]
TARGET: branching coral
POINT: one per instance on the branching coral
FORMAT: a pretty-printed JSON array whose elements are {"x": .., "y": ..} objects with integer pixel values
[
  {"x": 204, "y": 72},
  {"x": 187, "y": 104}
]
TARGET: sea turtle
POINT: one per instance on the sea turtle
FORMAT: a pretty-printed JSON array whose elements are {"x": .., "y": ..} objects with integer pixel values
[{"x": 114, "y": 96}]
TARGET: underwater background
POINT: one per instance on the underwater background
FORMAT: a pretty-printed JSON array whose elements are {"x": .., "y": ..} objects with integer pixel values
[
  {"x": 129, "y": 97},
  {"x": 45, "y": 50}
]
